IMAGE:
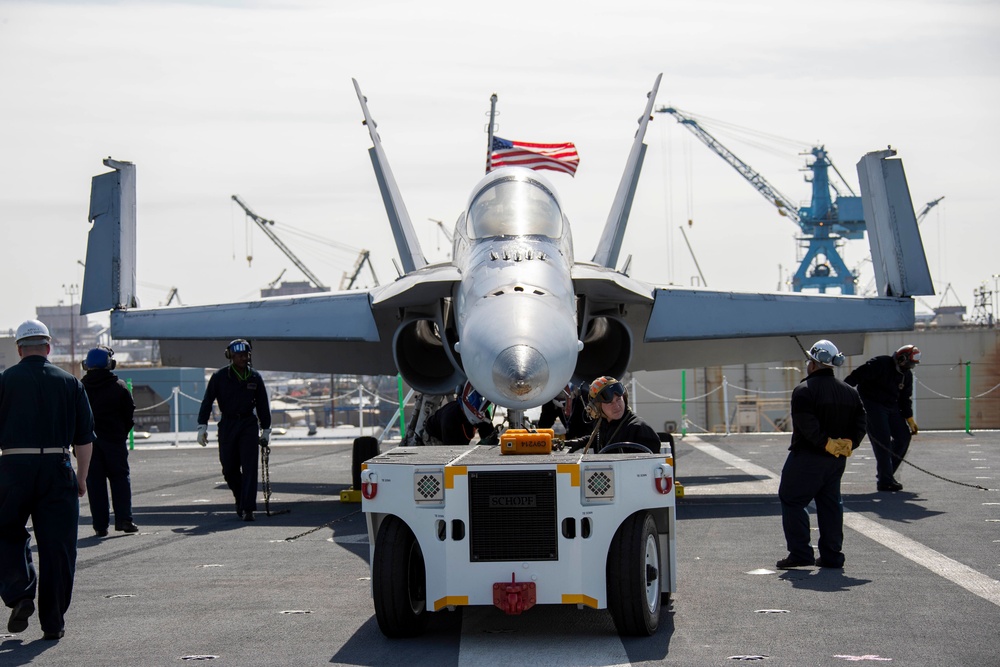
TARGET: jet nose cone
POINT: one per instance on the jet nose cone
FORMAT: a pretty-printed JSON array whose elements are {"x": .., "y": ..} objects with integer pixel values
[{"x": 520, "y": 373}]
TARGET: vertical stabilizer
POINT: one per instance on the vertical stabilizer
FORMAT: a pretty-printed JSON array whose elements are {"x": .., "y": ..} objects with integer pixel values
[
  {"x": 109, "y": 278},
  {"x": 407, "y": 243},
  {"x": 897, "y": 250},
  {"x": 614, "y": 230}
]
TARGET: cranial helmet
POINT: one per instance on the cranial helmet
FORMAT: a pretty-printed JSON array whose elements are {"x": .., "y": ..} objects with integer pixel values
[
  {"x": 100, "y": 357},
  {"x": 32, "y": 332},
  {"x": 475, "y": 406},
  {"x": 907, "y": 356},
  {"x": 826, "y": 353},
  {"x": 237, "y": 346},
  {"x": 604, "y": 390}
]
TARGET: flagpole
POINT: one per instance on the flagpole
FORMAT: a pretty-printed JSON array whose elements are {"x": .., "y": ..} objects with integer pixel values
[{"x": 489, "y": 141}]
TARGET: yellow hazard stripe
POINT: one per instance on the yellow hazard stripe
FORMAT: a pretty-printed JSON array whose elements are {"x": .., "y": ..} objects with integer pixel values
[
  {"x": 451, "y": 601},
  {"x": 450, "y": 472},
  {"x": 572, "y": 470},
  {"x": 585, "y": 600}
]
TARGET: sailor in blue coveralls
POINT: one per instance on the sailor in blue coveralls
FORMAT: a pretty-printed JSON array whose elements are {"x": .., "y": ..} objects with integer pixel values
[
  {"x": 43, "y": 410},
  {"x": 828, "y": 424},
  {"x": 242, "y": 398},
  {"x": 113, "y": 407},
  {"x": 886, "y": 386}
]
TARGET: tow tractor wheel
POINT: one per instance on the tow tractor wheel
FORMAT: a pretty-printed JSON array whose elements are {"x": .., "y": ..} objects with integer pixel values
[
  {"x": 633, "y": 576},
  {"x": 399, "y": 583},
  {"x": 365, "y": 447}
]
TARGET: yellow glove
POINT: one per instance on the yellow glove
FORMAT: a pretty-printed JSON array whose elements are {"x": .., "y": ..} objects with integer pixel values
[
  {"x": 846, "y": 446},
  {"x": 913, "y": 425},
  {"x": 833, "y": 446}
]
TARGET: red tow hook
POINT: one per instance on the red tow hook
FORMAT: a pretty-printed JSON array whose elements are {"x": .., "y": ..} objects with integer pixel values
[
  {"x": 369, "y": 484},
  {"x": 513, "y": 598},
  {"x": 664, "y": 481}
]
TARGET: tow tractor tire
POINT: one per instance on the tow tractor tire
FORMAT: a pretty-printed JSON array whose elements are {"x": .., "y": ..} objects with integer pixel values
[
  {"x": 399, "y": 583},
  {"x": 365, "y": 447},
  {"x": 633, "y": 577}
]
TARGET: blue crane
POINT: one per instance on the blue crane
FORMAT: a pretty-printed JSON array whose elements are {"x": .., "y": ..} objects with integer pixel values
[{"x": 825, "y": 222}]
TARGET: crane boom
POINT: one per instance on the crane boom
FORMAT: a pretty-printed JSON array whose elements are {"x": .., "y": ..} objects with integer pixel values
[
  {"x": 825, "y": 223},
  {"x": 927, "y": 209},
  {"x": 263, "y": 224},
  {"x": 785, "y": 205},
  {"x": 364, "y": 257}
]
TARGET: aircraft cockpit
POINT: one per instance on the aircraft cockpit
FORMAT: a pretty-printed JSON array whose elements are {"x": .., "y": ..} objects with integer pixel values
[{"x": 514, "y": 206}]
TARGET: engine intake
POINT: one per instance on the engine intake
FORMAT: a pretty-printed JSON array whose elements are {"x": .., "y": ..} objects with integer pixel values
[
  {"x": 607, "y": 349},
  {"x": 422, "y": 357}
]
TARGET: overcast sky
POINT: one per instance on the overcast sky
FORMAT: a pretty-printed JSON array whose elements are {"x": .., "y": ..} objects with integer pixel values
[{"x": 211, "y": 99}]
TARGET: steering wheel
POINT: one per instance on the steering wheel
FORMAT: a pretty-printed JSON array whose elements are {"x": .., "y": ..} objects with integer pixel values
[{"x": 625, "y": 448}]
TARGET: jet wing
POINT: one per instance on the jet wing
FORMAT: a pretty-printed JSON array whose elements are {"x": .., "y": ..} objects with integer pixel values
[
  {"x": 347, "y": 332},
  {"x": 687, "y": 327}
]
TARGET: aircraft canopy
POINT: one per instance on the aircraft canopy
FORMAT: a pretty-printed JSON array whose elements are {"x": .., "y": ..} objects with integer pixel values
[{"x": 514, "y": 206}]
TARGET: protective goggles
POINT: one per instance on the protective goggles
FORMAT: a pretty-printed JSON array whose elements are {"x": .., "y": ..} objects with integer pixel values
[
  {"x": 238, "y": 347},
  {"x": 609, "y": 393}
]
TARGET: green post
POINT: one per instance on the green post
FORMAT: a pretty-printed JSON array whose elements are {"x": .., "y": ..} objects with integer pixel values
[
  {"x": 968, "y": 396},
  {"x": 402, "y": 421},
  {"x": 684, "y": 409},
  {"x": 131, "y": 434}
]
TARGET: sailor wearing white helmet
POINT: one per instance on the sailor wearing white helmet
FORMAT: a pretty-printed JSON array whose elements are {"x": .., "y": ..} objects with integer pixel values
[
  {"x": 43, "y": 412},
  {"x": 828, "y": 423}
]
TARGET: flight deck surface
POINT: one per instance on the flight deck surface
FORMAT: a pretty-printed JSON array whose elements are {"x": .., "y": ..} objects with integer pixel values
[{"x": 920, "y": 585}]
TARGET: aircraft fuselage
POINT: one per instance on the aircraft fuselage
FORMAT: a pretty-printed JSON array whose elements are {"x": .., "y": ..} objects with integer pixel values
[{"x": 515, "y": 308}]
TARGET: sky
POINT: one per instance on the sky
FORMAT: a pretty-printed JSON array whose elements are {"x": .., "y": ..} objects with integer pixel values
[{"x": 212, "y": 99}]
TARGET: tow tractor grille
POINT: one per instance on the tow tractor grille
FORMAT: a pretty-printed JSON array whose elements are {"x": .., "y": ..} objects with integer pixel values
[{"x": 513, "y": 516}]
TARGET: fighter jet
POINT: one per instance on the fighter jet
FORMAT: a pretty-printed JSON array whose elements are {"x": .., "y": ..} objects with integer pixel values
[{"x": 513, "y": 312}]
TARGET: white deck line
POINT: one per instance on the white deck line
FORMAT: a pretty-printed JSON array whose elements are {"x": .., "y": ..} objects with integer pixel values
[{"x": 948, "y": 568}]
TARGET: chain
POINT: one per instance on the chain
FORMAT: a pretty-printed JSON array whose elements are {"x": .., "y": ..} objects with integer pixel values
[
  {"x": 928, "y": 472},
  {"x": 265, "y": 467},
  {"x": 328, "y": 523}
]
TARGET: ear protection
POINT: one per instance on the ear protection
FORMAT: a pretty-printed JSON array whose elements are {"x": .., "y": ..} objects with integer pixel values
[
  {"x": 603, "y": 390},
  {"x": 826, "y": 353},
  {"x": 237, "y": 346},
  {"x": 101, "y": 356}
]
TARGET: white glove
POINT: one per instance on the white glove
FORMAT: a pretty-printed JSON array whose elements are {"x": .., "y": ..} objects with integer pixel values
[
  {"x": 203, "y": 434},
  {"x": 265, "y": 437}
]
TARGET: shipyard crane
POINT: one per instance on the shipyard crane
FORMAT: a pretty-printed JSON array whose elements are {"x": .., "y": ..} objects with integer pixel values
[
  {"x": 927, "y": 209},
  {"x": 825, "y": 223},
  {"x": 263, "y": 224},
  {"x": 444, "y": 230},
  {"x": 172, "y": 295},
  {"x": 274, "y": 283},
  {"x": 364, "y": 257}
]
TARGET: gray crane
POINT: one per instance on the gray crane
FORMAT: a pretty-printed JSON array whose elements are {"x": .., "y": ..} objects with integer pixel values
[{"x": 265, "y": 226}]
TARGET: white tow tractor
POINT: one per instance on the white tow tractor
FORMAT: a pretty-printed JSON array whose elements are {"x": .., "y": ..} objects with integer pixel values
[{"x": 460, "y": 526}]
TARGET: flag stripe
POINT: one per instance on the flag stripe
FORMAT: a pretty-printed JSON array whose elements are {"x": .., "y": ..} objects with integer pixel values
[{"x": 555, "y": 157}]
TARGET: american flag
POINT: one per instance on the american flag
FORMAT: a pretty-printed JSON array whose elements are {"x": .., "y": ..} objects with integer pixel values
[{"x": 556, "y": 157}]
